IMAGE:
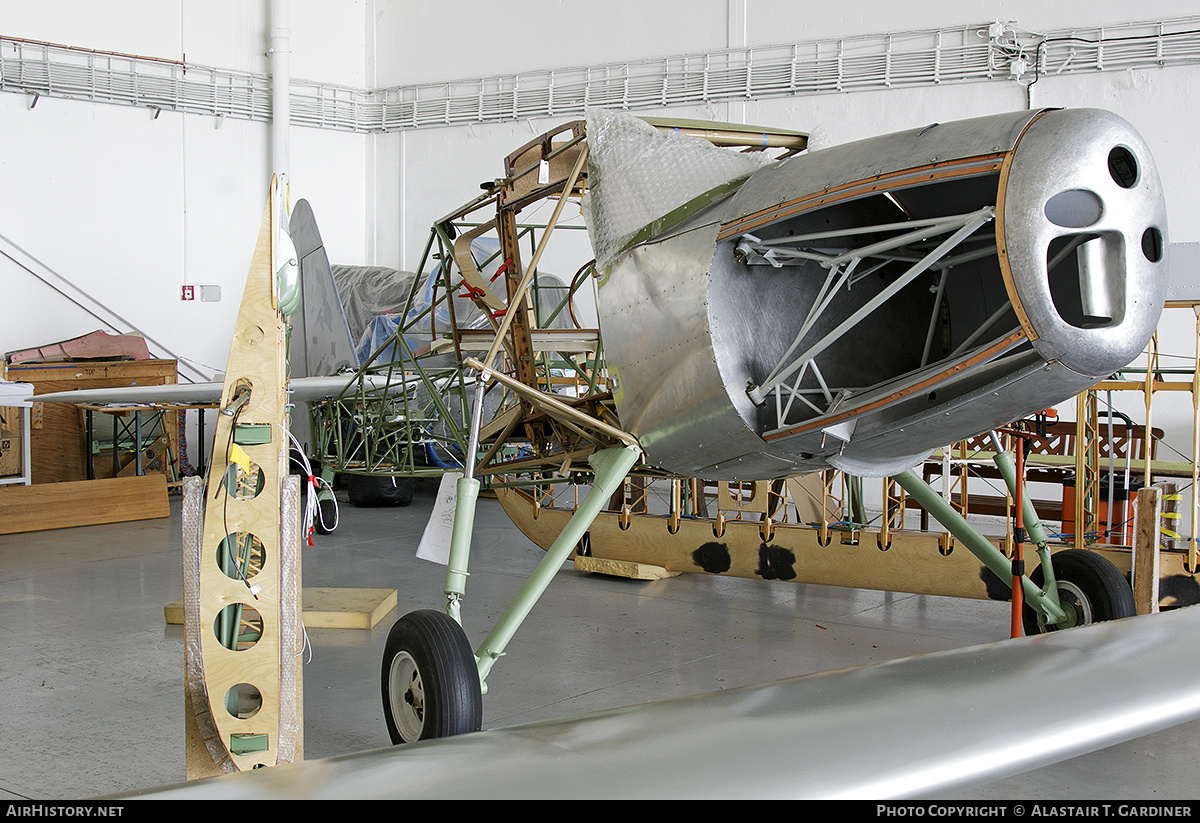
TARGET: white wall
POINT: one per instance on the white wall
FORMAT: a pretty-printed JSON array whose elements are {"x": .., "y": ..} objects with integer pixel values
[{"x": 130, "y": 207}]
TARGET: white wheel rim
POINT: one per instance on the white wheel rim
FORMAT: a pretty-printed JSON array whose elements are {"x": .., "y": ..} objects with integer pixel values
[
  {"x": 1071, "y": 597},
  {"x": 1075, "y": 603},
  {"x": 407, "y": 696}
]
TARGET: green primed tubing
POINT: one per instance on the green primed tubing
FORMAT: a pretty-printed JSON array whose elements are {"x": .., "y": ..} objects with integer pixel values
[
  {"x": 1033, "y": 523},
  {"x": 975, "y": 542},
  {"x": 611, "y": 465},
  {"x": 1008, "y": 470},
  {"x": 460, "y": 544}
]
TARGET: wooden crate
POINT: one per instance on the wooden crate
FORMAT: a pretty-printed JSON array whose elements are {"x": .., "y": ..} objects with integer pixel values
[{"x": 58, "y": 449}]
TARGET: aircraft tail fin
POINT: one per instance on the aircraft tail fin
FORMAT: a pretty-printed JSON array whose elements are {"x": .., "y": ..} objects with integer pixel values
[{"x": 321, "y": 340}]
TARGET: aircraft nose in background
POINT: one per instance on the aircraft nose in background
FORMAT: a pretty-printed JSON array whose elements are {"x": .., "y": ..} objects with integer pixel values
[{"x": 1087, "y": 271}]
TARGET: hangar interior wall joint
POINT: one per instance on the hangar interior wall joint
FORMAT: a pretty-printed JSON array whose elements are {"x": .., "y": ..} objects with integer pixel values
[{"x": 977, "y": 53}]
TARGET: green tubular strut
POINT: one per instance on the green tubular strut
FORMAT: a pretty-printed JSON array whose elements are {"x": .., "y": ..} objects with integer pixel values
[
  {"x": 976, "y": 543},
  {"x": 611, "y": 466},
  {"x": 460, "y": 545},
  {"x": 1033, "y": 524},
  {"x": 464, "y": 516}
]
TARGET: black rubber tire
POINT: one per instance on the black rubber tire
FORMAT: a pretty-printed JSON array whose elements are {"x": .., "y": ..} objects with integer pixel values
[
  {"x": 1089, "y": 585},
  {"x": 429, "y": 680},
  {"x": 327, "y": 515},
  {"x": 370, "y": 491}
]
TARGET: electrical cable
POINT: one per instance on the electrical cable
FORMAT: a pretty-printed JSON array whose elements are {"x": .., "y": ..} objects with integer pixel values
[{"x": 312, "y": 508}]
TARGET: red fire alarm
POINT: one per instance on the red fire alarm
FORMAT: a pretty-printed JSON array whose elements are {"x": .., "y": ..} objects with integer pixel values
[{"x": 189, "y": 293}]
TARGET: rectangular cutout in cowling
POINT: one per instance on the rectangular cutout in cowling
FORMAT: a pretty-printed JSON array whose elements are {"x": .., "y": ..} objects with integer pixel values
[{"x": 1085, "y": 282}]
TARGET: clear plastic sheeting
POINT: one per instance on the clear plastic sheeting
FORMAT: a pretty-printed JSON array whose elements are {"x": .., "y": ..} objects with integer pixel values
[
  {"x": 193, "y": 673},
  {"x": 374, "y": 300},
  {"x": 291, "y": 627},
  {"x": 290, "y": 735},
  {"x": 637, "y": 175},
  {"x": 377, "y": 304},
  {"x": 368, "y": 291}
]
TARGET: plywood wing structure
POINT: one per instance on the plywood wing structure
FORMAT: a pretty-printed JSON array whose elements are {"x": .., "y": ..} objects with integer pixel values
[{"x": 243, "y": 618}]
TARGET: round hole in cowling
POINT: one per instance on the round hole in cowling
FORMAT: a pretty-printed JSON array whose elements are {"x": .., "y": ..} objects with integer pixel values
[
  {"x": 1123, "y": 167},
  {"x": 1074, "y": 209}
]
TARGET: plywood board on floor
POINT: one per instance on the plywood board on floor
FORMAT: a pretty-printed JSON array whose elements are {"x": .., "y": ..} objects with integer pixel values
[
  {"x": 82, "y": 503},
  {"x": 325, "y": 608},
  {"x": 622, "y": 568}
]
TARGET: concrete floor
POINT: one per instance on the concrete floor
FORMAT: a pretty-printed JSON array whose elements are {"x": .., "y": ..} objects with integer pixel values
[{"x": 91, "y": 696}]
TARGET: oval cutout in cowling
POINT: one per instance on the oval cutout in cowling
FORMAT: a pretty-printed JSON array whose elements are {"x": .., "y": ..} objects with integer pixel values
[
  {"x": 1152, "y": 244},
  {"x": 1123, "y": 167},
  {"x": 1074, "y": 209}
]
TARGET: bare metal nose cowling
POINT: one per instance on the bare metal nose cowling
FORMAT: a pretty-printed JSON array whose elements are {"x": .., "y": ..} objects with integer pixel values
[
  {"x": 860, "y": 306},
  {"x": 1083, "y": 228}
]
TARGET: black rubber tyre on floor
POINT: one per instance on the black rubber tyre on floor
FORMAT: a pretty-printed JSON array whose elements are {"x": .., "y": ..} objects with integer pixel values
[
  {"x": 368, "y": 491},
  {"x": 1090, "y": 588},
  {"x": 429, "y": 679},
  {"x": 327, "y": 515}
]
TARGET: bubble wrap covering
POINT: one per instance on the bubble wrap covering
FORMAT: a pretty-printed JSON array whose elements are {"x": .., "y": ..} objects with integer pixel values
[
  {"x": 638, "y": 174},
  {"x": 291, "y": 630}
]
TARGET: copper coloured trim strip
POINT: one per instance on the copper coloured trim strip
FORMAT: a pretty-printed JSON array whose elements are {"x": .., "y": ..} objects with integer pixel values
[
  {"x": 987, "y": 354},
  {"x": 1010, "y": 285},
  {"x": 949, "y": 169}
]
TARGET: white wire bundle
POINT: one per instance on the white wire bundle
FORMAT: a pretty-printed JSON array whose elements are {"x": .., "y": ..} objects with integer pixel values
[{"x": 312, "y": 510}]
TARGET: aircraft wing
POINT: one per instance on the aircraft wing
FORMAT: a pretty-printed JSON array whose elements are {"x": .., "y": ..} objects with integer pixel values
[
  {"x": 301, "y": 389},
  {"x": 936, "y": 724}
]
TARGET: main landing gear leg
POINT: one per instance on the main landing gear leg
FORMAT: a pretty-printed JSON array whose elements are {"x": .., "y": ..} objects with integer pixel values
[
  {"x": 611, "y": 467},
  {"x": 1042, "y": 602},
  {"x": 1071, "y": 588},
  {"x": 432, "y": 684}
]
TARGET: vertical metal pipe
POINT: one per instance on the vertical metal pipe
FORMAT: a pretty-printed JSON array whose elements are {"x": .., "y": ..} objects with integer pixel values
[
  {"x": 1019, "y": 538},
  {"x": 281, "y": 108}
]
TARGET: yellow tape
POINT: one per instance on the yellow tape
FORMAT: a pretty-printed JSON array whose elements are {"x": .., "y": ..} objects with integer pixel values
[{"x": 239, "y": 456}]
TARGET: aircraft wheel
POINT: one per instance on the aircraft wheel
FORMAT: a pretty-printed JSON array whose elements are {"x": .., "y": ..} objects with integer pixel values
[
  {"x": 429, "y": 679},
  {"x": 1090, "y": 589},
  {"x": 369, "y": 491},
  {"x": 327, "y": 515}
]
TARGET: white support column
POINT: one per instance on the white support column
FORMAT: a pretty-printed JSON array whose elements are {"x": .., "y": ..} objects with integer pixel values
[{"x": 281, "y": 107}]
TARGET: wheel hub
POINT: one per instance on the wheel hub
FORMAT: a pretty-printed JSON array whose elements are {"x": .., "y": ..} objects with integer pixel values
[
  {"x": 408, "y": 696},
  {"x": 1075, "y": 605}
]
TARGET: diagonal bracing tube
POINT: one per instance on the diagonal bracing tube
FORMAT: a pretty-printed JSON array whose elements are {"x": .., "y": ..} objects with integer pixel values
[
  {"x": 976, "y": 543},
  {"x": 967, "y": 224}
]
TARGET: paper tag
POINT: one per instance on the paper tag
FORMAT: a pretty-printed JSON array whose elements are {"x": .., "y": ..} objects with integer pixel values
[
  {"x": 435, "y": 541},
  {"x": 544, "y": 172}
]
